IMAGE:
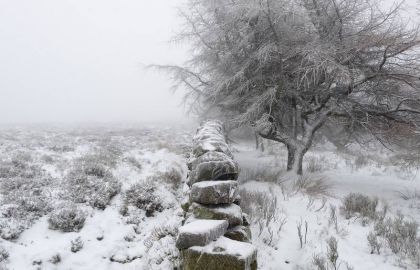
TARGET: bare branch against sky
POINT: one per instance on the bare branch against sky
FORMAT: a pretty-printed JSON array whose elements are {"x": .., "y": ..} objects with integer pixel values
[{"x": 82, "y": 61}]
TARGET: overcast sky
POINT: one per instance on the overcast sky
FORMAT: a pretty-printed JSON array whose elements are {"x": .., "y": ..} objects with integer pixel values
[{"x": 81, "y": 60}]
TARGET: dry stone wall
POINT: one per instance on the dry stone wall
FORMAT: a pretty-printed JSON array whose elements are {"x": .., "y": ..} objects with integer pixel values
[{"x": 216, "y": 233}]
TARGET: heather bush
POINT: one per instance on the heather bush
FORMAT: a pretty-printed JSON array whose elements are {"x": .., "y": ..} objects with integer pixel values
[
  {"x": 400, "y": 234},
  {"x": 312, "y": 185},
  {"x": 143, "y": 196},
  {"x": 67, "y": 218},
  {"x": 356, "y": 204},
  {"x": 172, "y": 177},
  {"x": 93, "y": 185},
  {"x": 4, "y": 254},
  {"x": 260, "y": 174},
  {"x": 23, "y": 200},
  {"x": 76, "y": 245}
]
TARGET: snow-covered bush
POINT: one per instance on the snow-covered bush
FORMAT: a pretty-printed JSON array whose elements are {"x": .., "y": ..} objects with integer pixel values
[
  {"x": 93, "y": 185},
  {"x": 315, "y": 164},
  {"x": 374, "y": 243},
  {"x": 261, "y": 174},
  {"x": 133, "y": 162},
  {"x": 356, "y": 204},
  {"x": 4, "y": 254},
  {"x": 263, "y": 210},
  {"x": 23, "y": 200},
  {"x": 400, "y": 235},
  {"x": 55, "y": 259},
  {"x": 172, "y": 177},
  {"x": 12, "y": 227},
  {"x": 330, "y": 261},
  {"x": 67, "y": 218},
  {"x": 76, "y": 245},
  {"x": 312, "y": 185},
  {"x": 143, "y": 197}
]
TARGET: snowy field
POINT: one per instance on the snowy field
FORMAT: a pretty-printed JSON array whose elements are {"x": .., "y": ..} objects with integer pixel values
[{"x": 109, "y": 198}]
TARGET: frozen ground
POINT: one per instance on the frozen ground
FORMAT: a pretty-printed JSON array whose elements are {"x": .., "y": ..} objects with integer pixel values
[
  {"x": 149, "y": 163},
  {"x": 280, "y": 248}
]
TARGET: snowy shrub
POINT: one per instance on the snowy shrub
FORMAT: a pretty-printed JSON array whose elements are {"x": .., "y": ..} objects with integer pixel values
[
  {"x": 55, "y": 259},
  {"x": 93, "y": 185},
  {"x": 23, "y": 200},
  {"x": 47, "y": 159},
  {"x": 263, "y": 210},
  {"x": 67, "y": 218},
  {"x": 375, "y": 245},
  {"x": 173, "y": 177},
  {"x": 260, "y": 174},
  {"x": 356, "y": 204},
  {"x": 11, "y": 228},
  {"x": 76, "y": 245},
  {"x": 4, "y": 254},
  {"x": 159, "y": 233},
  {"x": 133, "y": 162},
  {"x": 330, "y": 260},
  {"x": 360, "y": 162},
  {"x": 312, "y": 185},
  {"x": 315, "y": 164},
  {"x": 332, "y": 252},
  {"x": 19, "y": 168},
  {"x": 143, "y": 197},
  {"x": 399, "y": 234},
  {"x": 319, "y": 262}
]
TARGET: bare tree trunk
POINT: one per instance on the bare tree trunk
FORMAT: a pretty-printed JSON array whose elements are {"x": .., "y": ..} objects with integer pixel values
[
  {"x": 295, "y": 159},
  {"x": 257, "y": 143}
]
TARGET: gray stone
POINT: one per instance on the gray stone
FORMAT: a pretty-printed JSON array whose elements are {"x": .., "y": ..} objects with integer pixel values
[
  {"x": 213, "y": 166},
  {"x": 214, "y": 192},
  {"x": 200, "y": 233},
  {"x": 211, "y": 144},
  {"x": 230, "y": 212},
  {"x": 239, "y": 233},
  {"x": 223, "y": 254}
]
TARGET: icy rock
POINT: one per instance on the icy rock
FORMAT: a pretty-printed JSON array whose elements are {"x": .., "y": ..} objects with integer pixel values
[
  {"x": 200, "y": 233},
  {"x": 211, "y": 144},
  {"x": 213, "y": 166},
  {"x": 230, "y": 212},
  {"x": 239, "y": 233},
  {"x": 214, "y": 192},
  {"x": 221, "y": 254}
]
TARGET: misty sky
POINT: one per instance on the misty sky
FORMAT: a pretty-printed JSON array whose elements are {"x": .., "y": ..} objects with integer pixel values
[{"x": 82, "y": 60}]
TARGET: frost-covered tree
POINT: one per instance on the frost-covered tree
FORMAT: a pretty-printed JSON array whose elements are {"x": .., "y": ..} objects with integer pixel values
[{"x": 286, "y": 67}]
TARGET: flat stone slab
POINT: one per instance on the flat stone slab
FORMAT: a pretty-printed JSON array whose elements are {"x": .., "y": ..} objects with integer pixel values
[
  {"x": 224, "y": 254},
  {"x": 214, "y": 192},
  {"x": 213, "y": 166},
  {"x": 230, "y": 212},
  {"x": 200, "y": 233}
]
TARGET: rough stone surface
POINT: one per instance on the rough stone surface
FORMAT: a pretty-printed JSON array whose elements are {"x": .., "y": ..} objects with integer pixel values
[
  {"x": 213, "y": 166},
  {"x": 200, "y": 233},
  {"x": 239, "y": 233},
  {"x": 214, "y": 192},
  {"x": 230, "y": 212},
  {"x": 223, "y": 254},
  {"x": 211, "y": 144}
]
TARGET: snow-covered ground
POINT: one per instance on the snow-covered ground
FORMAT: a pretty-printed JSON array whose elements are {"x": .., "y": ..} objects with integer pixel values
[
  {"x": 339, "y": 173},
  {"x": 110, "y": 240},
  {"x": 122, "y": 236}
]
